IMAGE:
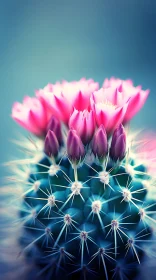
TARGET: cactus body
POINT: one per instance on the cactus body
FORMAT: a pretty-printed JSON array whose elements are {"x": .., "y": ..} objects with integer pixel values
[{"x": 85, "y": 209}]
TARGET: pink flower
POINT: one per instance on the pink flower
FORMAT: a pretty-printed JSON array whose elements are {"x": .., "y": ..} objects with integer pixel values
[
  {"x": 63, "y": 97},
  {"x": 106, "y": 109},
  {"x": 31, "y": 115},
  {"x": 84, "y": 124},
  {"x": 126, "y": 91}
]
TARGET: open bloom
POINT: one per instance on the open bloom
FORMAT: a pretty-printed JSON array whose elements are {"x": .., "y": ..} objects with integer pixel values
[
  {"x": 107, "y": 111},
  {"x": 125, "y": 91},
  {"x": 31, "y": 115},
  {"x": 63, "y": 97},
  {"x": 84, "y": 124}
]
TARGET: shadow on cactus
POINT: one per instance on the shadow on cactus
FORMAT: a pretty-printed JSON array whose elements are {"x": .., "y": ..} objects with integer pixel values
[{"x": 84, "y": 192}]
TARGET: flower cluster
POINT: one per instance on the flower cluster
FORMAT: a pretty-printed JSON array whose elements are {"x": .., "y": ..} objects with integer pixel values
[{"x": 81, "y": 105}]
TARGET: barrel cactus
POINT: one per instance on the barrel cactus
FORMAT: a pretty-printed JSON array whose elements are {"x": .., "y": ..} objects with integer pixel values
[{"x": 84, "y": 191}]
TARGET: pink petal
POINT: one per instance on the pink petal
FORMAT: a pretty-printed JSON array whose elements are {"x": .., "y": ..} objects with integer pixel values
[
  {"x": 136, "y": 102},
  {"x": 81, "y": 102},
  {"x": 102, "y": 118},
  {"x": 62, "y": 108},
  {"x": 117, "y": 119}
]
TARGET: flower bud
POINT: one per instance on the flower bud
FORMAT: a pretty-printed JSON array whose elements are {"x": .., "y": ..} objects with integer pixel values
[
  {"x": 51, "y": 145},
  {"x": 118, "y": 144},
  {"x": 100, "y": 144},
  {"x": 55, "y": 126},
  {"x": 75, "y": 148}
]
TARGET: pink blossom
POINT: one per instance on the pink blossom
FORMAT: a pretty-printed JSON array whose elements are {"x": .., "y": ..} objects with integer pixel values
[
  {"x": 63, "y": 97},
  {"x": 84, "y": 124},
  {"x": 125, "y": 91},
  {"x": 31, "y": 115},
  {"x": 106, "y": 109}
]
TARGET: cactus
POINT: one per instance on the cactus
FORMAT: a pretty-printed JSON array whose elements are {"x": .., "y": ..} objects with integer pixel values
[{"x": 85, "y": 209}]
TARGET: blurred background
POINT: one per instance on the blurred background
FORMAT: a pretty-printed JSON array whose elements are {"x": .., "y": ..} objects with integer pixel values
[
  {"x": 47, "y": 40},
  {"x": 44, "y": 41}
]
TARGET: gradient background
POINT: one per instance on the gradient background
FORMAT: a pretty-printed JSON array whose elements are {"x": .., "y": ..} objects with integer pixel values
[{"x": 43, "y": 41}]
